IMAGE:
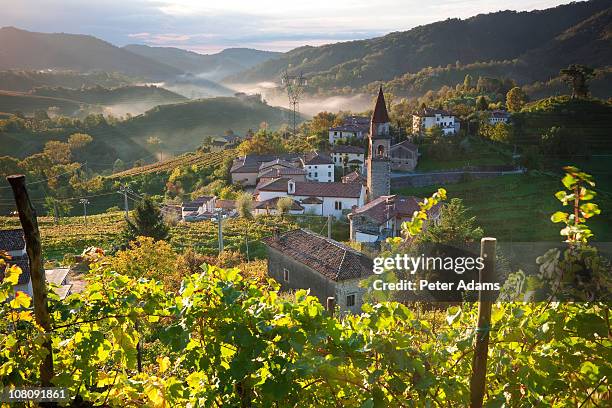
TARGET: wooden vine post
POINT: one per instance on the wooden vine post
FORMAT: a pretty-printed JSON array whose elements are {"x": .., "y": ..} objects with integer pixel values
[
  {"x": 481, "y": 346},
  {"x": 29, "y": 223}
]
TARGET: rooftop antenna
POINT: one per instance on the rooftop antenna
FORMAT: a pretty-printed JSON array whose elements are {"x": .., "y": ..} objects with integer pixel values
[{"x": 294, "y": 84}]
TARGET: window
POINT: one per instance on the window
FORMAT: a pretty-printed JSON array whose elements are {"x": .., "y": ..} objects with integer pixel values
[
  {"x": 316, "y": 175},
  {"x": 285, "y": 275},
  {"x": 350, "y": 300},
  {"x": 329, "y": 167},
  {"x": 335, "y": 133},
  {"x": 329, "y": 174},
  {"x": 338, "y": 205}
]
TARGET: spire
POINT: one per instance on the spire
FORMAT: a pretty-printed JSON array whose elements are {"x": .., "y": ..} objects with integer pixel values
[{"x": 380, "y": 114}]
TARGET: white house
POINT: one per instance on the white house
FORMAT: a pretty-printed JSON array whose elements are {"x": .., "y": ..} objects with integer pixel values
[
  {"x": 318, "y": 167},
  {"x": 352, "y": 156},
  {"x": 498, "y": 116},
  {"x": 428, "y": 118},
  {"x": 353, "y": 127},
  {"x": 324, "y": 199},
  {"x": 200, "y": 208}
]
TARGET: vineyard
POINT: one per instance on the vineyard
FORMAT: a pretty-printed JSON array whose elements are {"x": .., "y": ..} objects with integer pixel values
[
  {"x": 71, "y": 236},
  {"x": 231, "y": 339},
  {"x": 189, "y": 159}
]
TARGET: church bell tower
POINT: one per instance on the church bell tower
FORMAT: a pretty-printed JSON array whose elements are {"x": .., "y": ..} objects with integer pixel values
[{"x": 378, "y": 163}]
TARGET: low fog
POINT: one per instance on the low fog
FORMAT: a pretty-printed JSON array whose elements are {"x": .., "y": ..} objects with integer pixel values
[{"x": 309, "y": 105}]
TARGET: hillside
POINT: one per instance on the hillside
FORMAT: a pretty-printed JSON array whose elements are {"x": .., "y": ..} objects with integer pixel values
[
  {"x": 20, "y": 49},
  {"x": 210, "y": 66},
  {"x": 26, "y": 80},
  {"x": 590, "y": 119},
  {"x": 118, "y": 101},
  {"x": 505, "y": 35},
  {"x": 181, "y": 127},
  {"x": 26, "y": 103},
  {"x": 127, "y": 95}
]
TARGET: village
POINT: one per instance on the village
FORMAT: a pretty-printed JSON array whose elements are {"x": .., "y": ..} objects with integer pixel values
[{"x": 348, "y": 183}]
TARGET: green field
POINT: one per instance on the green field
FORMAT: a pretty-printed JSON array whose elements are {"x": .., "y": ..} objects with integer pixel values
[
  {"x": 479, "y": 153},
  {"x": 518, "y": 207}
]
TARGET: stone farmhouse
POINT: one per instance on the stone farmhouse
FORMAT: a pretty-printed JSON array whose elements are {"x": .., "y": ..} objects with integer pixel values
[
  {"x": 301, "y": 259},
  {"x": 382, "y": 218},
  {"x": 353, "y": 127},
  {"x": 404, "y": 156},
  {"x": 428, "y": 118}
]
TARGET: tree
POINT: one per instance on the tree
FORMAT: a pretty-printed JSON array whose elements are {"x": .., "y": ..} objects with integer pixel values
[
  {"x": 78, "y": 141},
  {"x": 58, "y": 152},
  {"x": 481, "y": 103},
  {"x": 147, "y": 221},
  {"x": 118, "y": 166},
  {"x": 244, "y": 205},
  {"x": 454, "y": 226},
  {"x": 515, "y": 99},
  {"x": 578, "y": 77},
  {"x": 283, "y": 205},
  {"x": 467, "y": 82}
]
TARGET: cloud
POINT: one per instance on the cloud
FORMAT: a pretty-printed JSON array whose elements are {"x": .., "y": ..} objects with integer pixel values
[{"x": 209, "y": 26}]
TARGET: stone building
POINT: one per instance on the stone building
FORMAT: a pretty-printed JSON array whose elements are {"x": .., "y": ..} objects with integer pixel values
[
  {"x": 382, "y": 218},
  {"x": 378, "y": 163},
  {"x": 404, "y": 156},
  {"x": 301, "y": 259}
]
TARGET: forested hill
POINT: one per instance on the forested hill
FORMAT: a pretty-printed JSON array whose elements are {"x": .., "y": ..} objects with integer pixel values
[
  {"x": 20, "y": 49},
  {"x": 211, "y": 66},
  {"x": 553, "y": 34}
]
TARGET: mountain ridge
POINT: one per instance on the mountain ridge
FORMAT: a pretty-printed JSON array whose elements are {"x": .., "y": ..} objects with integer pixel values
[{"x": 499, "y": 36}]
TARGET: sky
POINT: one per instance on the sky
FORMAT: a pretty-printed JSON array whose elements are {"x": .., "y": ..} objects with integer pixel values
[{"x": 207, "y": 26}]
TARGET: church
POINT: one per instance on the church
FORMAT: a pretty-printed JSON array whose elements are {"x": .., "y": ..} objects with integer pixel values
[{"x": 379, "y": 148}]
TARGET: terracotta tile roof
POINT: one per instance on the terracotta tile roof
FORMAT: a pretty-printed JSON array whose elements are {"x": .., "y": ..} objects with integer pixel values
[
  {"x": 12, "y": 240},
  {"x": 348, "y": 149},
  {"x": 380, "y": 114},
  {"x": 315, "y": 158},
  {"x": 251, "y": 163},
  {"x": 276, "y": 162},
  {"x": 330, "y": 258},
  {"x": 353, "y": 177},
  {"x": 197, "y": 202},
  {"x": 335, "y": 189},
  {"x": 407, "y": 144},
  {"x": 432, "y": 112},
  {"x": 349, "y": 127},
  {"x": 225, "y": 204},
  {"x": 272, "y": 203},
  {"x": 274, "y": 173},
  {"x": 274, "y": 185},
  {"x": 311, "y": 200},
  {"x": 384, "y": 208}
]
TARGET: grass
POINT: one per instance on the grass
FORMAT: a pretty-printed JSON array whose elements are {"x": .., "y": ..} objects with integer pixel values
[
  {"x": 518, "y": 207},
  {"x": 480, "y": 153}
]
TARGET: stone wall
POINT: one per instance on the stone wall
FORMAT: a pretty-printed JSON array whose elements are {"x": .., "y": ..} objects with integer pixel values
[
  {"x": 379, "y": 175},
  {"x": 441, "y": 178}
]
